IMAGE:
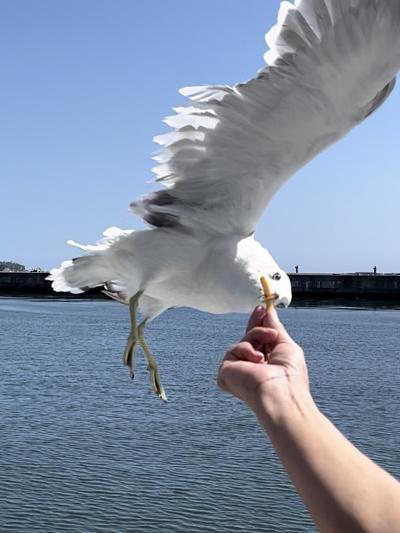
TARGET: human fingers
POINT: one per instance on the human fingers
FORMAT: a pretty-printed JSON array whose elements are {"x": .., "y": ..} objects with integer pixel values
[
  {"x": 261, "y": 338},
  {"x": 256, "y": 318},
  {"x": 245, "y": 351},
  {"x": 271, "y": 320}
]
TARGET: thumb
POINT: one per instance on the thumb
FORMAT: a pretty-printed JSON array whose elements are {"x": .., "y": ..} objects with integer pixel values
[
  {"x": 256, "y": 317},
  {"x": 271, "y": 320}
]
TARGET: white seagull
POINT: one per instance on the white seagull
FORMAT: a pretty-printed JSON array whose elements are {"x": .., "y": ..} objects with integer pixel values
[{"x": 330, "y": 64}]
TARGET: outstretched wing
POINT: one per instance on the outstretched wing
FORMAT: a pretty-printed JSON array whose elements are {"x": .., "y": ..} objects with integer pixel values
[{"x": 331, "y": 64}]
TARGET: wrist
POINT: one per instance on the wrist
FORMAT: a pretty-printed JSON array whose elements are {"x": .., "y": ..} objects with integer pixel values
[{"x": 283, "y": 402}]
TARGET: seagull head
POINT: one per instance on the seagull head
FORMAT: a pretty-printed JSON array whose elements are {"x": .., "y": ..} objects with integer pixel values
[
  {"x": 259, "y": 264},
  {"x": 278, "y": 288}
]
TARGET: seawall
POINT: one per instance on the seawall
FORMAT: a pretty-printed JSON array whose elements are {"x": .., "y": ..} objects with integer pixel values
[
  {"x": 309, "y": 286},
  {"x": 363, "y": 285},
  {"x": 35, "y": 283}
]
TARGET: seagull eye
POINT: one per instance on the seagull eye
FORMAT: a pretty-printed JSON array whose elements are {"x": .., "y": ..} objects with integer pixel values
[{"x": 276, "y": 276}]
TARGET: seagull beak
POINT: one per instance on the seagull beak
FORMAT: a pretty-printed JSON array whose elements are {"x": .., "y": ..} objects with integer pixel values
[
  {"x": 272, "y": 298},
  {"x": 283, "y": 303}
]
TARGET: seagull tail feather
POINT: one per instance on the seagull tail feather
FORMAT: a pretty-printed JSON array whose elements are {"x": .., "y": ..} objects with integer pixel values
[
  {"x": 92, "y": 270},
  {"x": 80, "y": 274}
]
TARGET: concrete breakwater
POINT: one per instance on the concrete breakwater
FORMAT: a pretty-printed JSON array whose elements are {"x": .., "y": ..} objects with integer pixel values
[
  {"x": 310, "y": 286},
  {"x": 365, "y": 285},
  {"x": 34, "y": 283}
]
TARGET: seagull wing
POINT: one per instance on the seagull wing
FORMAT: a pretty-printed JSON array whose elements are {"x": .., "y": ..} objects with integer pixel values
[{"x": 331, "y": 64}]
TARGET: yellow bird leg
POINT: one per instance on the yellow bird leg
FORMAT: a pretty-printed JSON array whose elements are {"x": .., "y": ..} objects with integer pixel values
[
  {"x": 129, "y": 356},
  {"x": 152, "y": 366},
  {"x": 136, "y": 336},
  {"x": 269, "y": 297}
]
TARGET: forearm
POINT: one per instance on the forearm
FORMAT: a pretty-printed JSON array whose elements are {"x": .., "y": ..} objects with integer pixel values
[{"x": 343, "y": 490}]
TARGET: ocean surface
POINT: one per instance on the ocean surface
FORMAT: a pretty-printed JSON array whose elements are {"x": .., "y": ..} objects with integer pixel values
[{"x": 84, "y": 449}]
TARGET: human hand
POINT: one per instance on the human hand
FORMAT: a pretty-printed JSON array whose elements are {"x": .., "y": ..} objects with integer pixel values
[{"x": 264, "y": 363}]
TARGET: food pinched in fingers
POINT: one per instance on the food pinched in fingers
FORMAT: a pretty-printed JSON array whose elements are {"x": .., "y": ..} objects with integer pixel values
[{"x": 269, "y": 296}]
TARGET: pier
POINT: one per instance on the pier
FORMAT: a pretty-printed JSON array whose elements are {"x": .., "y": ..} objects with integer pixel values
[
  {"x": 358, "y": 285},
  {"x": 304, "y": 286},
  {"x": 35, "y": 283}
]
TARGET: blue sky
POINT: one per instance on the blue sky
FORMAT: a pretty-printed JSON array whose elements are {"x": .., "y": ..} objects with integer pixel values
[{"x": 84, "y": 87}]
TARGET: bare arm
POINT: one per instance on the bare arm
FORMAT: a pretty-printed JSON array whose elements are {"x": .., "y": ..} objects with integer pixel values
[{"x": 343, "y": 489}]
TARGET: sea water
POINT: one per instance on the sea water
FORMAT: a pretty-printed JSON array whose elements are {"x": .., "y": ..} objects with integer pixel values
[{"x": 85, "y": 449}]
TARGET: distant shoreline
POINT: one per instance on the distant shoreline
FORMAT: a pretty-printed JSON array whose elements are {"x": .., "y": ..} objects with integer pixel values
[{"x": 307, "y": 286}]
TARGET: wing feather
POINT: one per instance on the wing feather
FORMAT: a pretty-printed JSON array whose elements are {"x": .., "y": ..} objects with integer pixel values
[{"x": 331, "y": 64}]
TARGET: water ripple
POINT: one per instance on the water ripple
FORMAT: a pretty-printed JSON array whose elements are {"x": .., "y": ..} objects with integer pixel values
[{"x": 85, "y": 450}]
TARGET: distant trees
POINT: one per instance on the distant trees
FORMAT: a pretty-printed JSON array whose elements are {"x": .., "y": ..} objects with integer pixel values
[{"x": 10, "y": 266}]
